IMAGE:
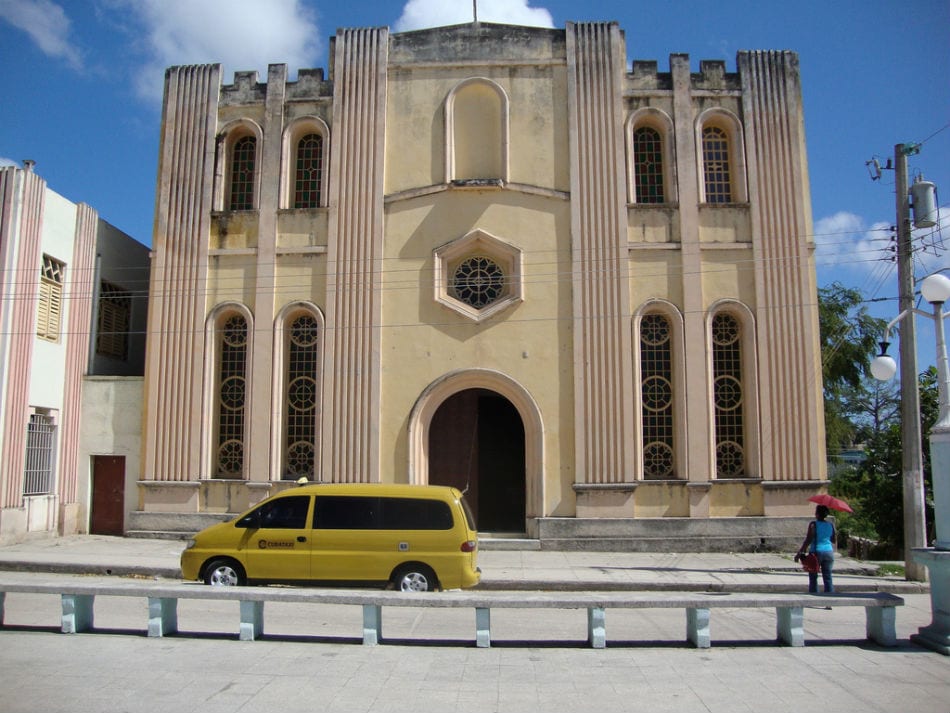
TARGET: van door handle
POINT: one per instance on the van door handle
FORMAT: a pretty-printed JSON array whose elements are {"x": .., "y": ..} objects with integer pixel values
[{"x": 301, "y": 538}]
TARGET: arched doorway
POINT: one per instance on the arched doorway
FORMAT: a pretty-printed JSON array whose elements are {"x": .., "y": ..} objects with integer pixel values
[{"x": 477, "y": 441}]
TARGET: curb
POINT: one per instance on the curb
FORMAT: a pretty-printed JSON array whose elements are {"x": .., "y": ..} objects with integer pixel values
[
  {"x": 80, "y": 568},
  {"x": 711, "y": 586},
  {"x": 522, "y": 585}
]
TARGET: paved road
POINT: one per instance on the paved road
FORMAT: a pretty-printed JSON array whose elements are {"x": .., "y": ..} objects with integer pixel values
[{"x": 312, "y": 660}]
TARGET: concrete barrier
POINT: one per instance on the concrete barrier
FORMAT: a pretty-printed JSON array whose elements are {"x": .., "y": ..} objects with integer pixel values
[{"x": 78, "y": 600}]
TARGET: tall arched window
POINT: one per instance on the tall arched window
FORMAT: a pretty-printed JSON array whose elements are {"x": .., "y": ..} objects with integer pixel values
[
  {"x": 243, "y": 162},
  {"x": 717, "y": 172},
  {"x": 231, "y": 397},
  {"x": 656, "y": 390},
  {"x": 729, "y": 396},
  {"x": 308, "y": 176},
  {"x": 301, "y": 397},
  {"x": 648, "y": 165}
]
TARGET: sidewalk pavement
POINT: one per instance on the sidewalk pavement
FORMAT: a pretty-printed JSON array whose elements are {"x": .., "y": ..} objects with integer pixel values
[
  {"x": 501, "y": 568},
  {"x": 538, "y": 661}
]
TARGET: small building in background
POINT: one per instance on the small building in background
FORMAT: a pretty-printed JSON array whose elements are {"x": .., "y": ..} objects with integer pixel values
[{"x": 73, "y": 302}]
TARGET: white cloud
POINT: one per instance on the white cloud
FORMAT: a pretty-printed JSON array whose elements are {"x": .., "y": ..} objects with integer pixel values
[
  {"x": 843, "y": 239},
  {"x": 6, "y": 162},
  {"x": 47, "y": 25},
  {"x": 844, "y": 243},
  {"x": 240, "y": 34},
  {"x": 418, "y": 14}
]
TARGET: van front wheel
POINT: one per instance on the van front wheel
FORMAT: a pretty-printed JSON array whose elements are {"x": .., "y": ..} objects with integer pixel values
[
  {"x": 224, "y": 573},
  {"x": 415, "y": 578}
]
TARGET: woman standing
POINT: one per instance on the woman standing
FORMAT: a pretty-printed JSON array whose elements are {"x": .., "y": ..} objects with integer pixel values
[{"x": 820, "y": 539}]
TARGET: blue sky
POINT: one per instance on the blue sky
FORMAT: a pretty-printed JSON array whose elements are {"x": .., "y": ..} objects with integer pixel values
[{"x": 83, "y": 83}]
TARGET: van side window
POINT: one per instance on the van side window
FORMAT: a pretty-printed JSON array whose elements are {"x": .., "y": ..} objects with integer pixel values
[
  {"x": 285, "y": 513},
  {"x": 341, "y": 512},
  {"x": 345, "y": 512},
  {"x": 415, "y": 514}
]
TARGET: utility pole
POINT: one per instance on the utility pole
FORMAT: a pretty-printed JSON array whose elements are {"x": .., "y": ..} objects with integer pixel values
[{"x": 912, "y": 465}]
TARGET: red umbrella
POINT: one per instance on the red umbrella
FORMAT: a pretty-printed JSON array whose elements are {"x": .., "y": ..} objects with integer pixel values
[{"x": 831, "y": 501}]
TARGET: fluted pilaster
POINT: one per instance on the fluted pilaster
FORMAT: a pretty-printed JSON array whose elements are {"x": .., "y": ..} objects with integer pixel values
[
  {"x": 354, "y": 254},
  {"x": 602, "y": 373},
  {"x": 787, "y": 314},
  {"x": 22, "y": 195},
  {"x": 79, "y": 296},
  {"x": 173, "y": 429}
]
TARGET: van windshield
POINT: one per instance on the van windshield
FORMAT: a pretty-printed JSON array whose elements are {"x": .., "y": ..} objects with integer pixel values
[{"x": 281, "y": 513}]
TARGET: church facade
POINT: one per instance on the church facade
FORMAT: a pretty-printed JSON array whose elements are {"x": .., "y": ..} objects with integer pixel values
[{"x": 495, "y": 257}]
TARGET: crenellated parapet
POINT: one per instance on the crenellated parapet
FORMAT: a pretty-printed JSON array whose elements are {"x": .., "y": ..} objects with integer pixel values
[
  {"x": 248, "y": 90},
  {"x": 644, "y": 76}
]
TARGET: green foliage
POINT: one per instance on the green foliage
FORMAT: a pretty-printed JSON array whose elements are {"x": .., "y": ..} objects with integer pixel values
[
  {"x": 849, "y": 336},
  {"x": 848, "y": 340},
  {"x": 875, "y": 488},
  {"x": 890, "y": 570},
  {"x": 859, "y": 409}
]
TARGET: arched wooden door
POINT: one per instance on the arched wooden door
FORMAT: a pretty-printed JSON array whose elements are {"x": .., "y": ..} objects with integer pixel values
[{"x": 477, "y": 444}]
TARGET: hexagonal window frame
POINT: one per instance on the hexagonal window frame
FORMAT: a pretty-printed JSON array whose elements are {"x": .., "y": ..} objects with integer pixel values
[{"x": 478, "y": 243}]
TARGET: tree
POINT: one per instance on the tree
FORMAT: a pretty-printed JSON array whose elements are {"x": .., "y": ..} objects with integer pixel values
[
  {"x": 875, "y": 488},
  {"x": 848, "y": 337}
]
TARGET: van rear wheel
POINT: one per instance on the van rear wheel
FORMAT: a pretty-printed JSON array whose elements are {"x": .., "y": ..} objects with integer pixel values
[
  {"x": 224, "y": 573},
  {"x": 415, "y": 578}
]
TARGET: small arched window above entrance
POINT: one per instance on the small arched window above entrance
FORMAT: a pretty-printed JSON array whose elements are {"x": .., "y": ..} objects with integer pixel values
[{"x": 476, "y": 128}]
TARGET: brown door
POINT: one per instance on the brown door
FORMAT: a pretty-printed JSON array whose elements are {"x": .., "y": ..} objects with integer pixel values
[
  {"x": 108, "y": 496},
  {"x": 476, "y": 442}
]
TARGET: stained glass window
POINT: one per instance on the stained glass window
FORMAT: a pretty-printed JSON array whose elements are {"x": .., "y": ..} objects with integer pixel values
[
  {"x": 728, "y": 395},
  {"x": 308, "y": 178},
  {"x": 648, "y": 164},
  {"x": 716, "y": 168},
  {"x": 301, "y": 398},
  {"x": 232, "y": 389},
  {"x": 243, "y": 159},
  {"x": 656, "y": 389}
]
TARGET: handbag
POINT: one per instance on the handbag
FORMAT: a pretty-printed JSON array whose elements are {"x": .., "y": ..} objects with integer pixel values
[{"x": 810, "y": 562}]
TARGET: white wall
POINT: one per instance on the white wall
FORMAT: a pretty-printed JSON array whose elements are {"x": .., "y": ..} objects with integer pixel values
[
  {"x": 111, "y": 426},
  {"x": 48, "y": 370}
]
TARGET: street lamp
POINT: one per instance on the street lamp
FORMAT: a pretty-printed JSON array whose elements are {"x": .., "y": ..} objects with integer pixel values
[{"x": 936, "y": 290}]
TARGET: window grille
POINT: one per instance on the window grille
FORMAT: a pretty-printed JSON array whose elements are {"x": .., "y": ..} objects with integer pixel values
[
  {"x": 40, "y": 438},
  {"x": 115, "y": 309},
  {"x": 716, "y": 168},
  {"x": 728, "y": 394},
  {"x": 308, "y": 179},
  {"x": 301, "y": 403},
  {"x": 478, "y": 281},
  {"x": 244, "y": 156},
  {"x": 648, "y": 165},
  {"x": 656, "y": 389},
  {"x": 50, "y": 310},
  {"x": 231, "y": 397}
]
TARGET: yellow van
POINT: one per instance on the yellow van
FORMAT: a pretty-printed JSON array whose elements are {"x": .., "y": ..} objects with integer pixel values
[{"x": 414, "y": 537}]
